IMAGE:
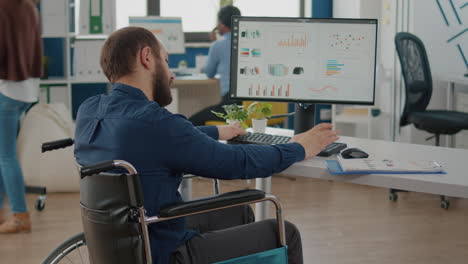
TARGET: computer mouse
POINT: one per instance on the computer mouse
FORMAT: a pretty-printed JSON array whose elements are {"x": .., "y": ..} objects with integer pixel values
[
  {"x": 354, "y": 153},
  {"x": 298, "y": 70}
]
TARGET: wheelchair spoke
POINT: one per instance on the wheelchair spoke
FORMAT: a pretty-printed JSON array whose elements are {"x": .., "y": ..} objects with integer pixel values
[
  {"x": 71, "y": 251},
  {"x": 81, "y": 257},
  {"x": 69, "y": 260}
]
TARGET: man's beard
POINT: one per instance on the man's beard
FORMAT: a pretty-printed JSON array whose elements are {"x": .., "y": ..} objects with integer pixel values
[{"x": 161, "y": 89}]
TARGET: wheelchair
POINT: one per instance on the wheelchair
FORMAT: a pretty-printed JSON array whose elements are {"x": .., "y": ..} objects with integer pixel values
[{"x": 115, "y": 221}]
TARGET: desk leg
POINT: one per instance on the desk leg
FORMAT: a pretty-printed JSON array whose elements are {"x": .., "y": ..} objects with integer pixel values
[
  {"x": 185, "y": 189},
  {"x": 450, "y": 140},
  {"x": 262, "y": 210}
]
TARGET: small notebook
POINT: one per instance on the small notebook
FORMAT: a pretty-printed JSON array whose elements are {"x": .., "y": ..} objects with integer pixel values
[{"x": 383, "y": 166}]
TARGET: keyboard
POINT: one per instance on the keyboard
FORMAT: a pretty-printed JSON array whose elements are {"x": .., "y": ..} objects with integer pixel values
[
  {"x": 259, "y": 139},
  {"x": 268, "y": 139}
]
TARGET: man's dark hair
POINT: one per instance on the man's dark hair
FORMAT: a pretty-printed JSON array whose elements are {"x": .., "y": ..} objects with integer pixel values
[
  {"x": 120, "y": 50},
  {"x": 225, "y": 14}
]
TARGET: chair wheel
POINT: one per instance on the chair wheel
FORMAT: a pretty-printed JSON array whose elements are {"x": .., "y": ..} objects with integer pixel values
[
  {"x": 40, "y": 204},
  {"x": 444, "y": 204},
  {"x": 393, "y": 197}
]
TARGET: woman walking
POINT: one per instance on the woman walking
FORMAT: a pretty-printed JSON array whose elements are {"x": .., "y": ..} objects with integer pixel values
[{"x": 20, "y": 69}]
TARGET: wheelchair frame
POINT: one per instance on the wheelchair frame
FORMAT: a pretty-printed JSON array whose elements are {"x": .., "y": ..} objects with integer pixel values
[{"x": 226, "y": 200}]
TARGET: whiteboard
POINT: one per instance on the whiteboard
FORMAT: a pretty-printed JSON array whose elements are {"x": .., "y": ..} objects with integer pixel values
[
  {"x": 442, "y": 25},
  {"x": 167, "y": 29}
]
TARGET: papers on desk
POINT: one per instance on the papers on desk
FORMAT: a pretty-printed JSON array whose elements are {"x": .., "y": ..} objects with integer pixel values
[{"x": 383, "y": 166}]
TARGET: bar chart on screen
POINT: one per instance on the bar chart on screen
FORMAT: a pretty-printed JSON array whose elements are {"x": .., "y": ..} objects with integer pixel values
[
  {"x": 270, "y": 90},
  {"x": 333, "y": 67},
  {"x": 293, "y": 40}
]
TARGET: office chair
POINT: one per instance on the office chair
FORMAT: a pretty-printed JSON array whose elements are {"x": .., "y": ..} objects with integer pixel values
[
  {"x": 40, "y": 190},
  {"x": 42, "y": 195},
  {"x": 418, "y": 90},
  {"x": 112, "y": 210}
]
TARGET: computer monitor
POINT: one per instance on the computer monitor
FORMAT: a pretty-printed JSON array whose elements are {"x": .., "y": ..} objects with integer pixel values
[
  {"x": 167, "y": 29},
  {"x": 303, "y": 60}
]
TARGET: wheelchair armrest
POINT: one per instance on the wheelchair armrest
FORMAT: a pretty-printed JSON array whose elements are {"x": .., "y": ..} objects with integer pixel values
[
  {"x": 58, "y": 144},
  {"x": 209, "y": 203}
]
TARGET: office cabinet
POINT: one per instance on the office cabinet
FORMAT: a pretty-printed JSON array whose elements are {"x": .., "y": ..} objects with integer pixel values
[{"x": 71, "y": 60}]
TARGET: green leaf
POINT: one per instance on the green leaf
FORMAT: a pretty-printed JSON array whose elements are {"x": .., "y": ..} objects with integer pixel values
[
  {"x": 233, "y": 112},
  {"x": 266, "y": 112},
  {"x": 252, "y": 107},
  {"x": 220, "y": 115}
]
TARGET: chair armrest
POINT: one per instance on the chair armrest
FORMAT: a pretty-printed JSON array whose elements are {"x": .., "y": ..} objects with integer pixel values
[
  {"x": 58, "y": 144},
  {"x": 210, "y": 203}
]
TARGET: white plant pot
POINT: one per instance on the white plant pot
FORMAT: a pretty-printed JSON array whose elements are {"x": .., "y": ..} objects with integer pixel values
[
  {"x": 232, "y": 122},
  {"x": 259, "y": 125}
]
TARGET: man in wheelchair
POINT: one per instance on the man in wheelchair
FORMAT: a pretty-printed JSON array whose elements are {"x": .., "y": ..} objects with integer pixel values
[{"x": 131, "y": 124}]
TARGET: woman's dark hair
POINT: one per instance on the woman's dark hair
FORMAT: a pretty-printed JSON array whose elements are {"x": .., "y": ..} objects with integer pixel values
[
  {"x": 225, "y": 14},
  {"x": 118, "y": 55}
]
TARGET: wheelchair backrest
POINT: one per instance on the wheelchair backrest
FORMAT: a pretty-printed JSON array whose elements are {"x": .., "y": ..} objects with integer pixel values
[{"x": 110, "y": 222}]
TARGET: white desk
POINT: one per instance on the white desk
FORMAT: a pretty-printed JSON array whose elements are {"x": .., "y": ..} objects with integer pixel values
[{"x": 455, "y": 162}]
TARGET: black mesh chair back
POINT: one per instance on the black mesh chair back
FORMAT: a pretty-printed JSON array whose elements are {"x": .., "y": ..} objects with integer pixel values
[
  {"x": 109, "y": 204},
  {"x": 416, "y": 73}
]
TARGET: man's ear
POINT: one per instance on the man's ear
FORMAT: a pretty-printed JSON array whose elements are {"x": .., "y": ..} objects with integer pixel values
[{"x": 146, "y": 57}]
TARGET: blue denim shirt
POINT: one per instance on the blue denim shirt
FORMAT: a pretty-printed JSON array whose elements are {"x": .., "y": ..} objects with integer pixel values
[
  {"x": 163, "y": 146},
  {"x": 219, "y": 61}
]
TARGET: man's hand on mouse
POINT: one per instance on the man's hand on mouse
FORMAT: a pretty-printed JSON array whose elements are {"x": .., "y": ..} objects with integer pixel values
[
  {"x": 230, "y": 131},
  {"x": 316, "y": 139}
]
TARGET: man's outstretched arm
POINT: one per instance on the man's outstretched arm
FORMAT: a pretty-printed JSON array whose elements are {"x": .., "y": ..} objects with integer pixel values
[{"x": 191, "y": 151}]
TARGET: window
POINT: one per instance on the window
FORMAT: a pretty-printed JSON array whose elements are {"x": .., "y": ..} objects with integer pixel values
[
  {"x": 272, "y": 8},
  {"x": 201, "y": 15},
  {"x": 126, "y": 8},
  {"x": 197, "y": 15}
]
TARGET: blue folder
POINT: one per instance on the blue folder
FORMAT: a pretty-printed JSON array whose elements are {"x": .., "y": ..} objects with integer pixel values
[{"x": 335, "y": 169}]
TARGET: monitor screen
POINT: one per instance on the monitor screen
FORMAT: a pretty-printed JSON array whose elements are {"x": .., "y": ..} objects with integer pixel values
[
  {"x": 167, "y": 29},
  {"x": 303, "y": 60}
]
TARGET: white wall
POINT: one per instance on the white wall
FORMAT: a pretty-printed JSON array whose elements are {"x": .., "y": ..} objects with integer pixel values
[
  {"x": 346, "y": 8},
  {"x": 427, "y": 22}
]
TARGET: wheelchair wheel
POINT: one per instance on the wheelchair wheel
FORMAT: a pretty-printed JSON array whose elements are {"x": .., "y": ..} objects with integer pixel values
[{"x": 73, "y": 250}]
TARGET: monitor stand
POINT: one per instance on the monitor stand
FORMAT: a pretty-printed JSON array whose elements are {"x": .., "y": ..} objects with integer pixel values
[{"x": 304, "y": 117}]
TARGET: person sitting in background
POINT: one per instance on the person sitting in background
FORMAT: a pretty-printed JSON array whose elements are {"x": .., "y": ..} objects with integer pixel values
[
  {"x": 219, "y": 62},
  {"x": 20, "y": 69}
]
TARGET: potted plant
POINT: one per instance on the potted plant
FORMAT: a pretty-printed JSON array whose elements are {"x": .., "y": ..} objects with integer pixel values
[
  {"x": 260, "y": 111},
  {"x": 234, "y": 113}
]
